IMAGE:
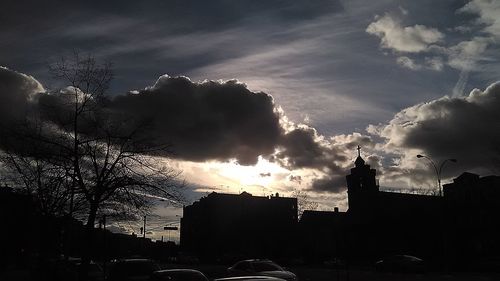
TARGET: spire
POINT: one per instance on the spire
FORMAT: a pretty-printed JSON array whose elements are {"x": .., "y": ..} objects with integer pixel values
[{"x": 359, "y": 161}]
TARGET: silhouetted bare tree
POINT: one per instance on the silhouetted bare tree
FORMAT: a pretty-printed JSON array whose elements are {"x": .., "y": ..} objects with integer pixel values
[
  {"x": 304, "y": 202},
  {"x": 84, "y": 154},
  {"x": 44, "y": 181}
]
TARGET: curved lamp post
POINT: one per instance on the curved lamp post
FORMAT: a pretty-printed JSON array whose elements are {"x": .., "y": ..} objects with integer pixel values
[{"x": 438, "y": 171}]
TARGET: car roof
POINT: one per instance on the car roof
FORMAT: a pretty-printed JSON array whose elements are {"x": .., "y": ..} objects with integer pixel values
[
  {"x": 409, "y": 257},
  {"x": 243, "y": 278},
  {"x": 256, "y": 260},
  {"x": 178, "y": 270},
  {"x": 134, "y": 260}
]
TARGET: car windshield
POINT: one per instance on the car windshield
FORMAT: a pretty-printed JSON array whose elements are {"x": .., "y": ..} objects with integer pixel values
[{"x": 266, "y": 266}]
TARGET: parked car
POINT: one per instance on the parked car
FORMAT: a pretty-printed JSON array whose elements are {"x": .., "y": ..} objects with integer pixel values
[
  {"x": 132, "y": 270},
  {"x": 69, "y": 269},
  {"x": 250, "y": 278},
  {"x": 257, "y": 267},
  {"x": 178, "y": 275},
  {"x": 400, "y": 263}
]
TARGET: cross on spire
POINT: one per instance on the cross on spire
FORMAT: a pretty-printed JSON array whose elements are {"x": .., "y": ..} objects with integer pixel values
[{"x": 359, "y": 161}]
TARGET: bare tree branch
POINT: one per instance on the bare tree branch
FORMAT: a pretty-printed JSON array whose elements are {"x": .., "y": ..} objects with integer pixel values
[{"x": 76, "y": 153}]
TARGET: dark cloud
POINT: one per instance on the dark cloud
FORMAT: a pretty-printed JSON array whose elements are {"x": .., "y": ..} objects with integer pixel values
[
  {"x": 208, "y": 120},
  {"x": 303, "y": 147},
  {"x": 16, "y": 92},
  {"x": 465, "y": 128},
  {"x": 333, "y": 184},
  {"x": 18, "y": 97}
]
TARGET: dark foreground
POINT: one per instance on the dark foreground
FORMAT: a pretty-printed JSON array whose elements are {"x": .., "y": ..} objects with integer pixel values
[{"x": 305, "y": 273}]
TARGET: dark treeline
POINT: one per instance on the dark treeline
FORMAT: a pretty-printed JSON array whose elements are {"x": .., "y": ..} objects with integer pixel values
[{"x": 29, "y": 238}]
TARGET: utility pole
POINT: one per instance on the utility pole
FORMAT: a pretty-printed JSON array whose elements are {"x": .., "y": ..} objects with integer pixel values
[{"x": 105, "y": 257}]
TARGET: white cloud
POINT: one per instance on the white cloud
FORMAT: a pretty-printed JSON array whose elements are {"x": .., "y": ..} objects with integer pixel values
[
  {"x": 431, "y": 63},
  {"x": 408, "y": 63},
  {"x": 465, "y": 54},
  {"x": 409, "y": 39},
  {"x": 434, "y": 63},
  {"x": 489, "y": 14}
]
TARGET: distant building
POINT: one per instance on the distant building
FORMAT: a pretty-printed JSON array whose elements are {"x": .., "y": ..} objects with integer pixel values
[
  {"x": 376, "y": 224},
  {"x": 461, "y": 226},
  {"x": 383, "y": 223},
  {"x": 239, "y": 225},
  {"x": 473, "y": 216},
  {"x": 322, "y": 235}
]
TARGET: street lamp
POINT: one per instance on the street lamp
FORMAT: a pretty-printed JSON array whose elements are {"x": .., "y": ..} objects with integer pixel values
[{"x": 438, "y": 171}]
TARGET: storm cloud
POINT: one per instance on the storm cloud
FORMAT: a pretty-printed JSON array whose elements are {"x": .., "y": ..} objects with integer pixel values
[
  {"x": 224, "y": 120},
  {"x": 208, "y": 120},
  {"x": 205, "y": 121},
  {"x": 465, "y": 128},
  {"x": 332, "y": 183},
  {"x": 330, "y": 158},
  {"x": 16, "y": 92},
  {"x": 18, "y": 96}
]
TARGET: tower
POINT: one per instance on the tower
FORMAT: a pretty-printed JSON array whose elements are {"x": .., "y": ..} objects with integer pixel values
[{"x": 362, "y": 188}]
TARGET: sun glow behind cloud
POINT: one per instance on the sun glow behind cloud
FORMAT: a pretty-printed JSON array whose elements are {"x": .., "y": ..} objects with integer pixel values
[{"x": 262, "y": 178}]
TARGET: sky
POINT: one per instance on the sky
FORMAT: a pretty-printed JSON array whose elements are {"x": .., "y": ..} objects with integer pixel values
[{"x": 275, "y": 96}]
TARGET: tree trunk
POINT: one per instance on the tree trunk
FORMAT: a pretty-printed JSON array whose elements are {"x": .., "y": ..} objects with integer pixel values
[{"x": 87, "y": 251}]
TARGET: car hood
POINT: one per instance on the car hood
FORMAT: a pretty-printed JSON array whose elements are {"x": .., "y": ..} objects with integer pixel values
[{"x": 287, "y": 275}]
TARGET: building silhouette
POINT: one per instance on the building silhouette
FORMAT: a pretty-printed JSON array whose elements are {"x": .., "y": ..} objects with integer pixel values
[
  {"x": 461, "y": 226},
  {"x": 376, "y": 224},
  {"x": 323, "y": 234},
  {"x": 473, "y": 217},
  {"x": 442, "y": 230},
  {"x": 382, "y": 223},
  {"x": 237, "y": 225}
]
